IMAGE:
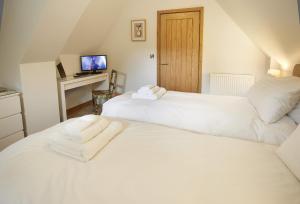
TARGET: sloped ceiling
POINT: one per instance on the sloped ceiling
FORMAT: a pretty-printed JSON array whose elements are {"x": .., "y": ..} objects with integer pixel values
[
  {"x": 18, "y": 23},
  {"x": 54, "y": 27},
  {"x": 93, "y": 26},
  {"x": 272, "y": 24}
]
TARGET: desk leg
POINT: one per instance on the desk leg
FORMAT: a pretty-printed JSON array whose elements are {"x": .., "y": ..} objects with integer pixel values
[{"x": 63, "y": 103}]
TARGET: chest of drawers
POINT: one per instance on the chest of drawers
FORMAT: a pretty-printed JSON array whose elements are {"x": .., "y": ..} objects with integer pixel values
[{"x": 11, "y": 123}]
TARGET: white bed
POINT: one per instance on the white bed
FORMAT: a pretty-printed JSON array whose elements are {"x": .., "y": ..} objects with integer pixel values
[
  {"x": 228, "y": 116},
  {"x": 148, "y": 164}
]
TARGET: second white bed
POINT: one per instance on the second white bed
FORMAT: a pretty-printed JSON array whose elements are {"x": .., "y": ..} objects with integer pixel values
[{"x": 228, "y": 116}]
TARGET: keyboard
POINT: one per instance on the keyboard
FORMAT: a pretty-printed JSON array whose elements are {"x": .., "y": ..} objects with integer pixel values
[{"x": 82, "y": 73}]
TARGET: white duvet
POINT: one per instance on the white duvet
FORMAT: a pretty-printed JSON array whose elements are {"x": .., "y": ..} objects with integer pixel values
[
  {"x": 148, "y": 164},
  {"x": 228, "y": 116}
]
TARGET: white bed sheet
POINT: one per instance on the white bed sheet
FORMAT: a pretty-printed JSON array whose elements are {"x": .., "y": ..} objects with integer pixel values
[
  {"x": 148, "y": 164},
  {"x": 228, "y": 116}
]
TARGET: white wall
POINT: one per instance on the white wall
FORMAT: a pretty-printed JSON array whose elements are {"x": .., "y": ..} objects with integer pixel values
[
  {"x": 57, "y": 22},
  {"x": 93, "y": 26},
  {"x": 36, "y": 31},
  {"x": 226, "y": 47},
  {"x": 30, "y": 32},
  {"x": 40, "y": 96},
  {"x": 18, "y": 23},
  {"x": 71, "y": 63},
  {"x": 272, "y": 25}
]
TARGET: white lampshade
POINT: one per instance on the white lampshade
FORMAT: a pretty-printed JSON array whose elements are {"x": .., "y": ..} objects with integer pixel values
[{"x": 274, "y": 72}]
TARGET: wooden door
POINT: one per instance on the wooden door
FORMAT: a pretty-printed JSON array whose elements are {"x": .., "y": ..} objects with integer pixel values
[{"x": 180, "y": 49}]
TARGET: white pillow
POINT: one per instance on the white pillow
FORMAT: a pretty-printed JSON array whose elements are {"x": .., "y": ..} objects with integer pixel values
[
  {"x": 273, "y": 98},
  {"x": 289, "y": 152},
  {"x": 295, "y": 114},
  {"x": 275, "y": 133}
]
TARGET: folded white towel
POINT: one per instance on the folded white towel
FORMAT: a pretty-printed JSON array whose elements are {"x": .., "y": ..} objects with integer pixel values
[
  {"x": 154, "y": 96},
  {"x": 90, "y": 117},
  {"x": 79, "y": 124},
  {"x": 151, "y": 91},
  {"x": 88, "y": 133},
  {"x": 146, "y": 88},
  {"x": 84, "y": 152}
]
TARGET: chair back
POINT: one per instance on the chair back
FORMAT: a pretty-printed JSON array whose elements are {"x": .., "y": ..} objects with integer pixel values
[{"x": 113, "y": 81}]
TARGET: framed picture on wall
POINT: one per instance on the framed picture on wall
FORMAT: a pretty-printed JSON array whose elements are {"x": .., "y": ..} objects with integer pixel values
[{"x": 138, "y": 30}]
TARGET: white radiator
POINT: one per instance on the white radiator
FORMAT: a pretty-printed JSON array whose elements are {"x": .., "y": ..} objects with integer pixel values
[{"x": 230, "y": 84}]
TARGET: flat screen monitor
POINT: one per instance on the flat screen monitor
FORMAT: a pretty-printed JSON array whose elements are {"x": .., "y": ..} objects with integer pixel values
[{"x": 93, "y": 63}]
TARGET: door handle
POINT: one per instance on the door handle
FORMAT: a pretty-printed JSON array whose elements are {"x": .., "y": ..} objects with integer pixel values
[{"x": 164, "y": 64}]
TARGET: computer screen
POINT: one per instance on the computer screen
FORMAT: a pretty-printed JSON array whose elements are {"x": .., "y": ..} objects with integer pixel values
[{"x": 93, "y": 63}]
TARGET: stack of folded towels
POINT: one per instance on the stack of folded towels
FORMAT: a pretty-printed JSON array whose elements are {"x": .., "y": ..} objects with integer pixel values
[
  {"x": 149, "y": 92},
  {"x": 83, "y": 137}
]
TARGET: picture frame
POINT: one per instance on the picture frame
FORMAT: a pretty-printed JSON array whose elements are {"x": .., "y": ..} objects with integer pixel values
[
  {"x": 61, "y": 71},
  {"x": 138, "y": 30}
]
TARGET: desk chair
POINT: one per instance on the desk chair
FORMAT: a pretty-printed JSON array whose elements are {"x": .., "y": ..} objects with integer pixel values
[{"x": 101, "y": 96}]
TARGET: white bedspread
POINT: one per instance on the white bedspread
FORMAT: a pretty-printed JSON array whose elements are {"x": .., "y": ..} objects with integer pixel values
[
  {"x": 148, "y": 164},
  {"x": 228, "y": 116}
]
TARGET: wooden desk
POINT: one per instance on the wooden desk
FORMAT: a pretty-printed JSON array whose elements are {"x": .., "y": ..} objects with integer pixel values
[{"x": 72, "y": 83}]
